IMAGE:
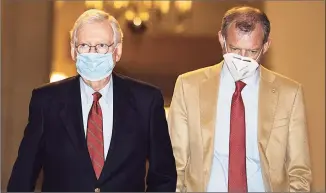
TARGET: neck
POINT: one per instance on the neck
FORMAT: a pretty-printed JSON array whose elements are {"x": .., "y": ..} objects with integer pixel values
[{"x": 97, "y": 85}]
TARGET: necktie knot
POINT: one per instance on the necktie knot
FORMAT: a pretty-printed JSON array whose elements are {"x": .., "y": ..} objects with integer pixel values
[
  {"x": 239, "y": 85},
  {"x": 96, "y": 96}
]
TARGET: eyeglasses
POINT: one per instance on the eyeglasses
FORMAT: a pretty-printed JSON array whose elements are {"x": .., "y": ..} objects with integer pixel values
[{"x": 99, "y": 48}]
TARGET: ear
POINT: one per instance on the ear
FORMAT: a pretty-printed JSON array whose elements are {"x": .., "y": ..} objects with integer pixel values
[
  {"x": 118, "y": 52},
  {"x": 221, "y": 39},
  {"x": 266, "y": 45},
  {"x": 72, "y": 51}
]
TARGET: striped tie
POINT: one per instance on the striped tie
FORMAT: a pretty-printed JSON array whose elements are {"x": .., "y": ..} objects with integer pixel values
[{"x": 95, "y": 135}]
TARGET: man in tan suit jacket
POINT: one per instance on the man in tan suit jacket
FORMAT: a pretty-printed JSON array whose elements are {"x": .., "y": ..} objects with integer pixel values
[{"x": 278, "y": 135}]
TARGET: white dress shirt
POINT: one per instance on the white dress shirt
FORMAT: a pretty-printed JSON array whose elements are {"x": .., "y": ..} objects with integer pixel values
[
  {"x": 106, "y": 103},
  {"x": 219, "y": 175}
]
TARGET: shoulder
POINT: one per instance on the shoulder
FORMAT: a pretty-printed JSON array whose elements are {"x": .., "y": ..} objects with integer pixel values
[
  {"x": 62, "y": 84},
  {"x": 288, "y": 89},
  {"x": 282, "y": 81},
  {"x": 199, "y": 74},
  {"x": 55, "y": 89}
]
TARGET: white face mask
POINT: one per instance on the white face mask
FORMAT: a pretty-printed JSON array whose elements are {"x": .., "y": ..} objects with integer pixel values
[{"x": 240, "y": 67}]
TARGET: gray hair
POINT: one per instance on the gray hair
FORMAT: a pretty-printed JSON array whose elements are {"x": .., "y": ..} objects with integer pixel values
[
  {"x": 245, "y": 19},
  {"x": 95, "y": 15}
]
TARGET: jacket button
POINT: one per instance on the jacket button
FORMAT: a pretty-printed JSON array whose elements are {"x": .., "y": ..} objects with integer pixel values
[{"x": 97, "y": 190}]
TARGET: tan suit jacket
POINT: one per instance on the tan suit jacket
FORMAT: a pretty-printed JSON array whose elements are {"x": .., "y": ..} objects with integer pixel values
[{"x": 282, "y": 133}]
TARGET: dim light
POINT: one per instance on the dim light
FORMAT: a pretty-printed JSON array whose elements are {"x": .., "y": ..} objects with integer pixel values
[
  {"x": 56, "y": 76},
  {"x": 94, "y": 4}
]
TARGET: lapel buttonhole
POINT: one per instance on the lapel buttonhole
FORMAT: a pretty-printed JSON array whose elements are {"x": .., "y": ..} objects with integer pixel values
[{"x": 273, "y": 90}]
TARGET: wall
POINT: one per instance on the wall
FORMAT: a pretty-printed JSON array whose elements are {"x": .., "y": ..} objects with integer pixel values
[
  {"x": 298, "y": 51},
  {"x": 159, "y": 55},
  {"x": 25, "y": 64}
]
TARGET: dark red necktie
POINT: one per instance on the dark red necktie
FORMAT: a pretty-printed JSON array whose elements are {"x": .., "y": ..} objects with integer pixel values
[
  {"x": 94, "y": 137},
  {"x": 237, "y": 181}
]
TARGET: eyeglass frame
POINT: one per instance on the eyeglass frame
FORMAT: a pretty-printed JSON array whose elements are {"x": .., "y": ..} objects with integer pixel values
[{"x": 96, "y": 50}]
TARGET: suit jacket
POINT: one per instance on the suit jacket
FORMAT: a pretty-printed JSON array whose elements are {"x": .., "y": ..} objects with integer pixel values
[
  {"x": 282, "y": 133},
  {"x": 54, "y": 140}
]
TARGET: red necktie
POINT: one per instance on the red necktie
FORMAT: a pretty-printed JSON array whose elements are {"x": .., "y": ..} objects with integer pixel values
[
  {"x": 95, "y": 135},
  {"x": 237, "y": 181}
]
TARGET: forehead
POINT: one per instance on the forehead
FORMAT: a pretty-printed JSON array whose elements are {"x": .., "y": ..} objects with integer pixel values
[
  {"x": 95, "y": 32},
  {"x": 245, "y": 40}
]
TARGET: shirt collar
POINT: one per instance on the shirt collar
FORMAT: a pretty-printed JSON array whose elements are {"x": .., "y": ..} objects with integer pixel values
[{"x": 87, "y": 91}]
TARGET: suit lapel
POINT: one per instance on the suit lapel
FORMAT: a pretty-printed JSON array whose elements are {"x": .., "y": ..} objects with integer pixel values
[
  {"x": 208, "y": 96},
  {"x": 71, "y": 114},
  {"x": 72, "y": 117},
  {"x": 268, "y": 98},
  {"x": 121, "y": 105},
  {"x": 208, "y": 93}
]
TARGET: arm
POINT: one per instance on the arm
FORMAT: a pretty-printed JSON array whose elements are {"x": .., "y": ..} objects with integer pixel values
[
  {"x": 178, "y": 128},
  {"x": 162, "y": 175},
  {"x": 298, "y": 159},
  {"x": 28, "y": 163}
]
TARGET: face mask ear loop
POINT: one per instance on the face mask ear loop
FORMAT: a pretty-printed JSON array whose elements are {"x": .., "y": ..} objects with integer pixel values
[
  {"x": 115, "y": 48},
  {"x": 113, "y": 53},
  {"x": 226, "y": 49},
  {"x": 261, "y": 50}
]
